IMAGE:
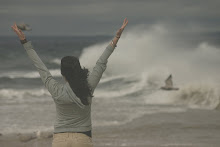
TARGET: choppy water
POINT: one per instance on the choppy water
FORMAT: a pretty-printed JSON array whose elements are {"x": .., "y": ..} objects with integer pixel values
[{"x": 130, "y": 87}]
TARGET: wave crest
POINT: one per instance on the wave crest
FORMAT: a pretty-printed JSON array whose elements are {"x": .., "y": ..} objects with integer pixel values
[
  {"x": 199, "y": 96},
  {"x": 26, "y": 95},
  {"x": 29, "y": 74}
]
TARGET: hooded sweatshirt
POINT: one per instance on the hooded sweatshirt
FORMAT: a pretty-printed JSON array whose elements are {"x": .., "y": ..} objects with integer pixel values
[{"x": 71, "y": 114}]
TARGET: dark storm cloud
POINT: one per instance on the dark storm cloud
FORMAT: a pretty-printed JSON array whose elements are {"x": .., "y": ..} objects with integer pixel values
[{"x": 68, "y": 17}]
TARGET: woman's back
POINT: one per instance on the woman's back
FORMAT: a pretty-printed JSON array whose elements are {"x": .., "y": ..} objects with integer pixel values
[{"x": 71, "y": 116}]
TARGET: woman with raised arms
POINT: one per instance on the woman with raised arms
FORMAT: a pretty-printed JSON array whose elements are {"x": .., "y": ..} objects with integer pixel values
[{"x": 73, "y": 126}]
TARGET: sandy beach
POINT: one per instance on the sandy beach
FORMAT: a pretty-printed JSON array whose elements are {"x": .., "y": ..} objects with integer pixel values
[{"x": 194, "y": 128}]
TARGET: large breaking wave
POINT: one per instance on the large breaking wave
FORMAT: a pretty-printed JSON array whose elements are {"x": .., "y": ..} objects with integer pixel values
[{"x": 145, "y": 57}]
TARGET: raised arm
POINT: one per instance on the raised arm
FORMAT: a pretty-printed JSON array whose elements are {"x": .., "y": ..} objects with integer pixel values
[
  {"x": 50, "y": 83},
  {"x": 100, "y": 66}
]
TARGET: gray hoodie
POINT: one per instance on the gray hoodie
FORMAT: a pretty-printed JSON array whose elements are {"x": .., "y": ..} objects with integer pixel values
[{"x": 71, "y": 114}]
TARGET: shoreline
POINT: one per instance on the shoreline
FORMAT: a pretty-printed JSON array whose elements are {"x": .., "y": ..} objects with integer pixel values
[{"x": 193, "y": 128}]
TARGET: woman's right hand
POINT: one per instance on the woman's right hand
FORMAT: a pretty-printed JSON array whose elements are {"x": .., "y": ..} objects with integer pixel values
[
  {"x": 119, "y": 32},
  {"x": 18, "y": 32}
]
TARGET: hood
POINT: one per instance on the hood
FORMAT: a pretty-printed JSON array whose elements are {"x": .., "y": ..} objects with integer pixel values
[{"x": 68, "y": 96}]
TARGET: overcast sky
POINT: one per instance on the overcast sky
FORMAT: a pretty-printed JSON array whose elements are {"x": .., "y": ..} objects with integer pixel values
[{"x": 103, "y": 17}]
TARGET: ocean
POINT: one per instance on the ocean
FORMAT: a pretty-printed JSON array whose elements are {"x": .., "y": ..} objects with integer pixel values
[{"x": 129, "y": 92}]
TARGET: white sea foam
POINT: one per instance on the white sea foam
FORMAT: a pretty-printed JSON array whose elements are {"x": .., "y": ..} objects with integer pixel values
[
  {"x": 156, "y": 52},
  {"x": 30, "y": 74},
  {"x": 127, "y": 85},
  {"x": 203, "y": 96},
  {"x": 157, "y": 49},
  {"x": 56, "y": 61},
  {"x": 23, "y": 95}
]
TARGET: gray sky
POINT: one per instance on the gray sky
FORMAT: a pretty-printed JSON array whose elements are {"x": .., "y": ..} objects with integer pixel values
[{"x": 104, "y": 17}]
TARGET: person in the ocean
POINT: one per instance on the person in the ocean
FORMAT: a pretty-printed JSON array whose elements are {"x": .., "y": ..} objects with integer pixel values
[
  {"x": 169, "y": 84},
  {"x": 73, "y": 99}
]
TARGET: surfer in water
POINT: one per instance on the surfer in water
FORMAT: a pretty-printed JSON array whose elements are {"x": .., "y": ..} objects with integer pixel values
[
  {"x": 169, "y": 84},
  {"x": 73, "y": 99}
]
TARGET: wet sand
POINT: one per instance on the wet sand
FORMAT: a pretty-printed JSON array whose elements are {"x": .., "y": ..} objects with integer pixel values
[{"x": 194, "y": 128}]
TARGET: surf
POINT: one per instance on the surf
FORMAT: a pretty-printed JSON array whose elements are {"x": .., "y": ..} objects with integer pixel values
[{"x": 158, "y": 52}]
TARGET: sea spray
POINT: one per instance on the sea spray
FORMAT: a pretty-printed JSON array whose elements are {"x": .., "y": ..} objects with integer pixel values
[
  {"x": 202, "y": 96},
  {"x": 157, "y": 52},
  {"x": 28, "y": 74},
  {"x": 156, "y": 49},
  {"x": 16, "y": 96}
]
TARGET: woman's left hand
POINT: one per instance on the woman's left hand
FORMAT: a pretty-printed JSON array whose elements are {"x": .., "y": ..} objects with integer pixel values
[
  {"x": 119, "y": 32},
  {"x": 18, "y": 32}
]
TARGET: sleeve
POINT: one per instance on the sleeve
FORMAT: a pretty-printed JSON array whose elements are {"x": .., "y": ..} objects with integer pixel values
[
  {"x": 49, "y": 82},
  {"x": 99, "y": 68}
]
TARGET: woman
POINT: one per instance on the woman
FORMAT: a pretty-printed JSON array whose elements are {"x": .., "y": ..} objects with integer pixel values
[{"x": 73, "y": 99}]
